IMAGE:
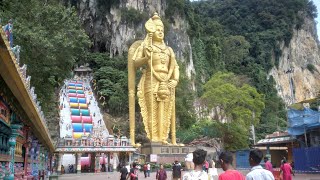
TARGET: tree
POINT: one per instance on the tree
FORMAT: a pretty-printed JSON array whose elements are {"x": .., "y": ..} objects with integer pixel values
[
  {"x": 239, "y": 102},
  {"x": 235, "y": 50},
  {"x": 51, "y": 40},
  {"x": 185, "y": 112},
  {"x": 112, "y": 79},
  {"x": 237, "y": 99}
]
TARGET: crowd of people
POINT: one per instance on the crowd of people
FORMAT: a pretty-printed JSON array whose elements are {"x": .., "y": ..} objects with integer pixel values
[{"x": 205, "y": 170}]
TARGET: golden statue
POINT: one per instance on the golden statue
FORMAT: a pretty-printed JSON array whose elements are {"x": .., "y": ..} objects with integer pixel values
[{"x": 156, "y": 89}]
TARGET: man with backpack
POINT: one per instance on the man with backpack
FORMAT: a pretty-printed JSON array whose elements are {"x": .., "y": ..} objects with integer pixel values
[{"x": 176, "y": 171}]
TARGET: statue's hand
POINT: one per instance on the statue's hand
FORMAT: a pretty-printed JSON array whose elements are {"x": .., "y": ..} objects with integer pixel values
[
  {"x": 172, "y": 83},
  {"x": 147, "y": 51}
]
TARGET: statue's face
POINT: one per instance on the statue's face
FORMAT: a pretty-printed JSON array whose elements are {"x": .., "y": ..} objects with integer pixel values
[{"x": 158, "y": 35}]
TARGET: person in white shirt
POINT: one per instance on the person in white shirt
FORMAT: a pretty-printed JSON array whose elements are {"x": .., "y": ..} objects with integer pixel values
[
  {"x": 189, "y": 161},
  {"x": 128, "y": 167},
  {"x": 257, "y": 172},
  {"x": 148, "y": 169},
  {"x": 213, "y": 172},
  {"x": 199, "y": 156}
]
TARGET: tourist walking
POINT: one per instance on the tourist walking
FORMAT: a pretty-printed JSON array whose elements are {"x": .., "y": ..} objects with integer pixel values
[
  {"x": 128, "y": 167},
  {"x": 133, "y": 175},
  {"x": 212, "y": 172},
  {"x": 189, "y": 161},
  {"x": 199, "y": 156},
  {"x": 268, "y": 165},
  {"x": 226, "y": 159},
  {"x": 161, "y": 173},
  {"x": 124, "y": 172},
  {"x": 176, "y": 170},
  {"x": 145, "y": 168},
  {"x": 206, "y": 165},
  {"x": 257, "y": 172},
  {"x": 286, "y": 170},
  {"x": 148, "y": 169}
]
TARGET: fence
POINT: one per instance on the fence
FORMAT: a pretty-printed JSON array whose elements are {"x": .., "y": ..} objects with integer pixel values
[
  {"x": 242, "y": 159},
  {"x": 307, "y": 160}
]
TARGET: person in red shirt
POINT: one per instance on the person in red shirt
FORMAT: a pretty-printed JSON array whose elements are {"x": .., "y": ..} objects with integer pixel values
[
  {"x": 286, "y": 170},
  {"x": 268, "y": 165},
  {"x": 145, "y": 168},
  {"x": 133, "y": 175},
  {"x": 226, "y": 159},
  {"x": 206, "y": 165}
]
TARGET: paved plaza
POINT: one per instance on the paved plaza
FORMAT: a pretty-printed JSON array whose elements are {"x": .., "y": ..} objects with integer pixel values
[{"x": 116, "y": 176}]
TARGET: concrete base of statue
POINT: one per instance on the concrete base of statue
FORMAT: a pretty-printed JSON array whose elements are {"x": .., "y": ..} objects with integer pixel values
[{"x": 162, "y": 153}]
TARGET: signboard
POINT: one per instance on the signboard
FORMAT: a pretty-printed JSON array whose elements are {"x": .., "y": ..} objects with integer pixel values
[{"x": 153, "y": 158}]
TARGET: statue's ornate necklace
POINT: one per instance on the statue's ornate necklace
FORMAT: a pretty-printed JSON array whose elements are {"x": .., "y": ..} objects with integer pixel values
[
  {"x": 162, "y": 52},
  {"x": 162, "y": 48}
]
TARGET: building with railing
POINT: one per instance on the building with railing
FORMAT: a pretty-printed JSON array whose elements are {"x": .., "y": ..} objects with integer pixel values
[{"x": 25, "y": 143}]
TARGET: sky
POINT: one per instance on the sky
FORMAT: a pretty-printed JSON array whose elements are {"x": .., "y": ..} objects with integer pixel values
[{"x": 317, "y": 3}]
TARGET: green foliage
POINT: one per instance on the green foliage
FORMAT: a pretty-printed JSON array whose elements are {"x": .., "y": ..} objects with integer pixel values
[
  {"x": 242, "y": 37},
  {"x": 240, "y": 102},
  {"x": 175, "y": 7},
  {"x": 199, "y": 129},
  {"x": 112, "y": 79},
  {"x": 105, "y": 6},
  {"x": 133, "y": 16},
  {"x": 167, "y": 165},
  {"x": 184, "y": 101},
  {"x": 234, "y": 137},
  {"x": 235, "y": 49},
  {"x": 311, "y": 68},
  {"x": 52, "y": 40}
]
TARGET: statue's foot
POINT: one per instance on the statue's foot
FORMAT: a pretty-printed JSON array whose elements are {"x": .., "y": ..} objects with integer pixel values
[{"x": 165, "y": 142}]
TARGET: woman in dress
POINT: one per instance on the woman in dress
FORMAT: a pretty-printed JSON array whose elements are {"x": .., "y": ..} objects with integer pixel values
[
  {"x": 286, "y": 170},
  {"x": 161, "y": 173}
]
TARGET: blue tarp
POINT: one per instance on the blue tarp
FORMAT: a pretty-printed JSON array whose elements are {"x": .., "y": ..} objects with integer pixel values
[{"x": 302, "y": 120}]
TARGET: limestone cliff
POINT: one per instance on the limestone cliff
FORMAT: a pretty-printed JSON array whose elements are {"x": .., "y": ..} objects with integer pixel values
[
  {"x": 112, "y": 33},
  {"x": 298, "y": 75},
  {"x": 295, "y": 77}
]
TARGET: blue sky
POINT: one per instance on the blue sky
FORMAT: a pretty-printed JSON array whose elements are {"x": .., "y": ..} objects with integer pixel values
[{"x": 317, "y": 3}]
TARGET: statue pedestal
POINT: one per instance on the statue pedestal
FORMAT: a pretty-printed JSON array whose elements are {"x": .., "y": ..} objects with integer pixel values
[{"x": 165, "y": 153}]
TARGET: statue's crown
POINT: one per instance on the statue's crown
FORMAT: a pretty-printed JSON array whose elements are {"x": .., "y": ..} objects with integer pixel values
[
  {"x": 157, "y": 20},
  {"x": 154, "y": 21}
]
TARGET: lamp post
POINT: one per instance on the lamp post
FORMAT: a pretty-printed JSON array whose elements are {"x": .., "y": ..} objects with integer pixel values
[{"x": 252, "y": 128}]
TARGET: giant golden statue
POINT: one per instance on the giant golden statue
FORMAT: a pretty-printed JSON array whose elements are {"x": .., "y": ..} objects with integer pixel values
[{"x": 156, "y": 89}]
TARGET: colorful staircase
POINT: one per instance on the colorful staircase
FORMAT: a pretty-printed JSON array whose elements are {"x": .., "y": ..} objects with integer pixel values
[{"x": 80, "y": 114}]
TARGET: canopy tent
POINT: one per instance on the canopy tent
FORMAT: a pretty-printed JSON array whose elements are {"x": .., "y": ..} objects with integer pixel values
[{"x": 302, "y": 120}]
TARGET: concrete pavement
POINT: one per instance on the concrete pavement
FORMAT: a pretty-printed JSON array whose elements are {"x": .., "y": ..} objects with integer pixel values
[{"x": 116, "y": 176}]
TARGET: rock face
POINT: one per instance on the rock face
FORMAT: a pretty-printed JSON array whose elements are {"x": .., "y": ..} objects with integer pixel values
[
  {"x": 112, "y": 33},
  {"x": 298, "y": 75}
]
